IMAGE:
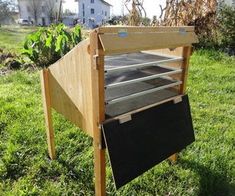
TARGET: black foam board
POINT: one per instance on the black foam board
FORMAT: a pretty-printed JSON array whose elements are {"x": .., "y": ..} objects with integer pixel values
[{"x": 149, "y": 138}]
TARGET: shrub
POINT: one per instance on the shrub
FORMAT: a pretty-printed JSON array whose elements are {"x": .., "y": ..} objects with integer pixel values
[
  {"x": 226, "y": 19},
  {"x": 49, "y": 44}
]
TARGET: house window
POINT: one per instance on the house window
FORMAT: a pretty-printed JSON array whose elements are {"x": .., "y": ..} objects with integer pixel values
[
  {"x": 83, "y": 13},
  {"x": 92, "y": 11},
  {"x": 83, "y": 6},
  {"x": 92, "y": 1},
  {"x": 105, "y": 13},
  {"x": 83, "y": 21},
  {"x": 102, "y": 12}
]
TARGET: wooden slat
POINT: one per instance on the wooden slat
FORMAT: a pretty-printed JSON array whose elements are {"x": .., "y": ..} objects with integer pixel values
[
  {"x": 136, "y": 42},
  {"x": 47, "y": 113},
  {"x": 132, "y": 29},
  {"x": 71, "y": 87}
]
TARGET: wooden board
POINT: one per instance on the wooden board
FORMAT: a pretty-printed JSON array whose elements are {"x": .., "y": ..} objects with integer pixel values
[
  {"x": 149, "y": 138},
  {"x": 70, "y": 83},
  {"x": 133, "y": 29},
  {"x": 114, "y": 44}
]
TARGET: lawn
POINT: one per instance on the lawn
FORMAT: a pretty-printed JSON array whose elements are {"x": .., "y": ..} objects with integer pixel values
[
  {"x": 12, "y": 37},
  {"x": 207, "y": 167}
]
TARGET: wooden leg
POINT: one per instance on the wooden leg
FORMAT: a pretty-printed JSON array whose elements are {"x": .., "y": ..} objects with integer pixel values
[
  {"x": 187, "y": 51},
  {"x": 47, "y": 113},
  {"x": 185, "y": 65},
  {"x": 99, "y": 170}
]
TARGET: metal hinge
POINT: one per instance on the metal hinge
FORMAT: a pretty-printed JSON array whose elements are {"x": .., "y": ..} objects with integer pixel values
[{"x": 182, "y": 31}]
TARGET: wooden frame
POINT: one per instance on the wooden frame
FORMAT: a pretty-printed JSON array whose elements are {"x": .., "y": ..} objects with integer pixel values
[{"x": 74, "y": 86}]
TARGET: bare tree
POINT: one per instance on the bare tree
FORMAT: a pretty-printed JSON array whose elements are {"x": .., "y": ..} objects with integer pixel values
[
  {"x": 200, "y": 13},
  {"x": 184, "y": 12},
  {"x": 6, "y": 6},
  {"x": 51, "y": 10},
  {"x": 59, "y": 17},
  {"x": 137, "y": 12},
  {"x": 140, "y": 6},
  {"x": 35, "y": 9}
]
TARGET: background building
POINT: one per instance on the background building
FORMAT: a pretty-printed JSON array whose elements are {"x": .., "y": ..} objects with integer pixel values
[
  {"x": 93, "y": 13},
  {"x": 39, "y": 12}
]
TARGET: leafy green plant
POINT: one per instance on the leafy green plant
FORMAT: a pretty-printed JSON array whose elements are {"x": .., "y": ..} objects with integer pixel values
[{"x": 49, "y": 44}]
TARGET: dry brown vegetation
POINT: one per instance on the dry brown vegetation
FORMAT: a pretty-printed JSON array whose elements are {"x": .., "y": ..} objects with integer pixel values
[{"x": 200, "y": 13}]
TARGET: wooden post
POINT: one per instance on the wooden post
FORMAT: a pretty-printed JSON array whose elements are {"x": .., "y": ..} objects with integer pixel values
[
  {"x": 47, "y": 112},
  {"x": 185, "y": 66},
  {"x": 97, "y": 60}
]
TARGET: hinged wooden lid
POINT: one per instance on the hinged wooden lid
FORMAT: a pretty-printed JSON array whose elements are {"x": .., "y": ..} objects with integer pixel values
[{"x": 116, "y": 40}]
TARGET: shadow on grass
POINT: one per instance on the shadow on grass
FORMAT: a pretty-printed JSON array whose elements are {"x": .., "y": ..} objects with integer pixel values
[{"x": 211, "y": 182}]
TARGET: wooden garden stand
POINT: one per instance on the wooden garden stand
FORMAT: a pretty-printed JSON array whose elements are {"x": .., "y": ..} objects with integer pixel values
[{"x": 74, "y": 86}]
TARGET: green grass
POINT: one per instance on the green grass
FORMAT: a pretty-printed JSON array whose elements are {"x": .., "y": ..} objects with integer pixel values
[
  {"x": 12, "y": 37},
  {"x": 207, "y": 167}
]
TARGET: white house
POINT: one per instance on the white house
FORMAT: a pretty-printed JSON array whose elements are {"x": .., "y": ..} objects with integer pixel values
[
  {"x": 40, "y": 12},
  {"x": 93, "y": 13}
]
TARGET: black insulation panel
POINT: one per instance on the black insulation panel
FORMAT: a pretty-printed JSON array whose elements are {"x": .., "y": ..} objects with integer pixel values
[{"x": 149, "y": 138}]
